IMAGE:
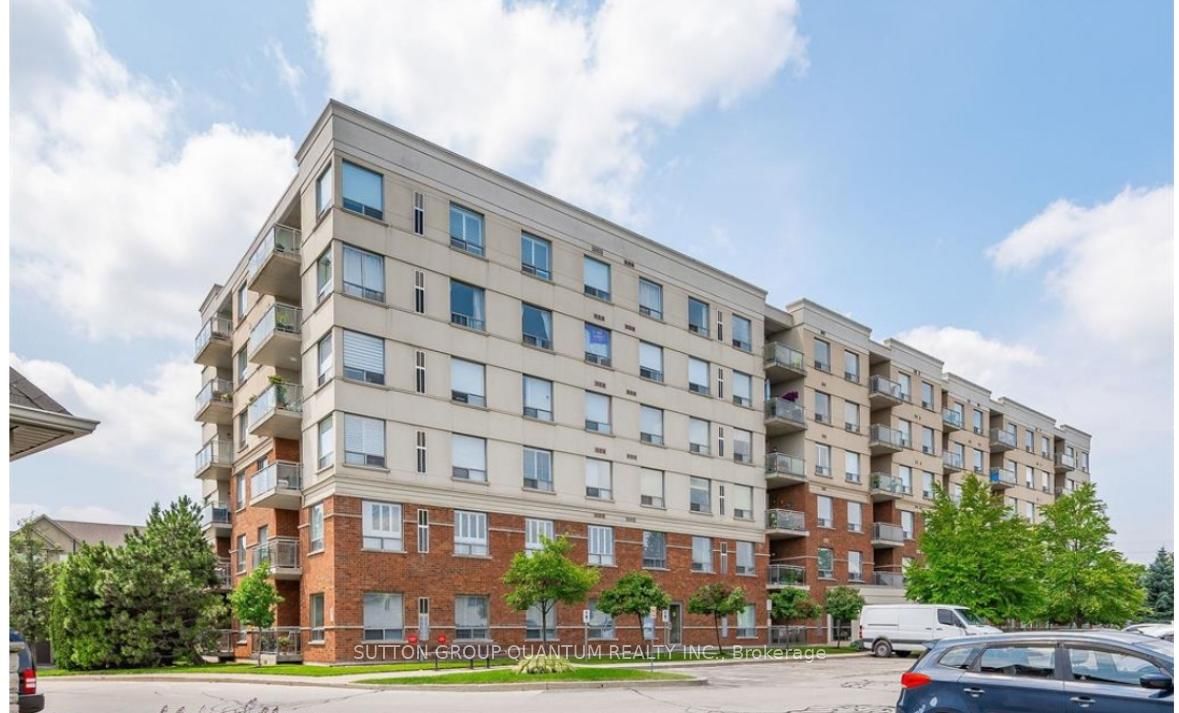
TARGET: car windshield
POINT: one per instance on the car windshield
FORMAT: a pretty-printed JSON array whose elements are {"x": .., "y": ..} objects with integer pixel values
[{"x": 970, "y": 617}]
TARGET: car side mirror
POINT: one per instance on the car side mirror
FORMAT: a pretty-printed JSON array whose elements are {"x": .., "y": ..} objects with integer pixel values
[{"x": 1157, "y": 682}]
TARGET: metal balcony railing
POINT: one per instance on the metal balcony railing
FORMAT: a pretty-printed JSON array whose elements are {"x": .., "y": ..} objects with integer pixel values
[
  {"x": 888, "y": 579},
  {"x": 887, "y": 532},
  {"x": 215, "y": 514},
  {"x": 999, "y": 437},
  {"x": 281, "y": 641},
  {"x": 279, "y": 239},
  {"x": 953, "y": 460},
  {"x": 779, "y": 519},
  {"x": 280, "y": 395},
  {"x": 785, "y": 575},
  {"x": 783, "y": 464},
  {"x": 279, "y": 475},
  {"x": 278, "y": 552},
  {"x": 1064, "y": 460},
  {"x": 788, "y": 410},
  {"x": 781, "y": 355},
  {"x": 214, "y": 328},
  {"x": 886, "y": 387},
  {"x": 887, "y": 436},
  {"x": 1003, "y": 476},
  {"x": 216, "y": 451},
  {"x": 953, "y": 418},
  {"x": 214, "y": 390},
  {"x": 888, "y": 483},
  {"x": 279, "y": 319},
  {"x": 224, "y": 573}
]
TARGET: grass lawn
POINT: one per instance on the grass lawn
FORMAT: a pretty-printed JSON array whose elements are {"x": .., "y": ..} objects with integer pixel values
[
  {"x": 509, "y": 676},
  {"x": 714, "y": 655},
  {"x": 283, "y": 669}
]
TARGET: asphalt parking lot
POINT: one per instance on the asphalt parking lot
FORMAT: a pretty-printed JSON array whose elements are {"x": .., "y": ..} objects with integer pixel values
[{"x": 858, "y": 684}]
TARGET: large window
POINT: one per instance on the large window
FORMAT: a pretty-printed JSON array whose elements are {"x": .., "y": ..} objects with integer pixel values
[
  {"x": 851, "y": 366},
  {"x": 906, "y": 383},
  {"x": 535, "y": 533},
  {"x": 597, "y": 345},
  {"x": 384, "y": 617},
  {"x": 650, "y": 361},
  {"x": 597, "y": 412},
  {"x": 697, "y": 316},
  {"x": 927, "y": 394},
  {"x": 742, "y": 389},
  {"x": 468, "y": 456},
  {"x": 651, "y": 425},
  {"x": 1019, "y": 660},
  {"x": 362, "y": 191},
  {"x": 466, "y": 382},
  {"x": 324, "y": 190},
  {"x": 927, "y": 440},
  {"x": 826, "y": 511},
  {"x": 364, "y": 441},
  {"x": 466, "y": 305},
  {"x": 822, "y": 355},
  {"x": 597, "y": 278},
  {"x": 699, "y": 494},
  {"x": 698, "y": 435},
  {"x": 650, "y": 298},
  {"x": 851, "y": 416},
  {"x": 364, "y": 274},
  {"x": 851, "y": 466},
  {"x": 745, "y": 564},
  {"x": 326, "y": 441},
  {"x": 822, "y": 407},
  {"x": 855, "y": 566},
  {"x": 907, "y": 524},
  {"x": 701, "y": 554},
  {"x": 382, "y": 527},
  {"x": 1101, "y": 666},
  {"x": 470, "y": 617},
  {"x": 536, "y": 256},
  {"x": 323, "y": 274},
  {"x": 466, "y": 229},
  {"x": 538, "y": 398},
  {"x": 598, "y": 479},
  {"x": 533, "y": 621},
  {"x": 747, "y": 622},
  {"x": 743, "y": 502},
  {"x": 654, "y": 550},
  {"x": 742, "y": 446},
  {"x": 536, "y": 326},
  {"x": 316, "y": 616},
  {"x": 601, "y": 544},
  {"x": 470, "y": 533},
  {"x": 742, "y": 333},
  {"x": 323, "y": 358},
  {"x": 905, "y": 474},
  {"x": 698, "y": 375},
  {"x": 364, "y": 357},
  {"x": 538, "y": 469},
  {"x": 601, "y": 624},
  {"x": 826, "y": 563},
  {"x": 651, "y": 488},
  {"x": 855, "y": 516}
]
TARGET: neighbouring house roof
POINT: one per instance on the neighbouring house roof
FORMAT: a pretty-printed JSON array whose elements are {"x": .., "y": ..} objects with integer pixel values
[
  {"x": 37, "y": 421},
  {"x": 78, "y": 532}
]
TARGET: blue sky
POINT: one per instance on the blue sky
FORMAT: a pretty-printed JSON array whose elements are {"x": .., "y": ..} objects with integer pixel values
[{"x": 989, "y": 180}]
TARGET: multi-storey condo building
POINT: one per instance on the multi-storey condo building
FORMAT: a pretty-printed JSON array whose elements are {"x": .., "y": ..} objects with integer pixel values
[{"x": 420, "y": 367}]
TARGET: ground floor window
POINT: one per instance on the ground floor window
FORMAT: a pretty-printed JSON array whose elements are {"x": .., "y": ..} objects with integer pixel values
[
  {"x": 601, "y": 624},
  {"x": 316, "y": 610},
  {"x": 747, "y": 622},
  {"x": 384, "y": 617},
  {"x": 532, "y": 623},
  {"x": 470, "y": 617}
]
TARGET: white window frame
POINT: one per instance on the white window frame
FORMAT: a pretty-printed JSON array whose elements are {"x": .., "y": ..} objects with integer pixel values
[
  {"x": 594, "y": 489},
  {"x": 600, "y": 541},
  {"x": 464, "y": 465},
  {"x": 381, "y": 527},
  {"x": 470, "y": 534},
  {"x": 371, "y": 454},
  {"x": 534, "y": 480}
]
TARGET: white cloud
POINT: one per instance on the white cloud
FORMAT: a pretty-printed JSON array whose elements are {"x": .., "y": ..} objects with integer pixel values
[
  {"x": 573, "y": 95},
  {"x": 972, "y": 355},
  {"x": 290, "y": 75},
  {"x": 114, "y": 226}
]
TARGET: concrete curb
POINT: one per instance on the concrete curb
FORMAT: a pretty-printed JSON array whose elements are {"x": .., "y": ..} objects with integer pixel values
[{"x": 328, "y": 683}]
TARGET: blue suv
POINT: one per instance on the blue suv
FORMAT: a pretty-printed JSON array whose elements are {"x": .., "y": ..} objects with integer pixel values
[{"x": 1042, "y": 672}]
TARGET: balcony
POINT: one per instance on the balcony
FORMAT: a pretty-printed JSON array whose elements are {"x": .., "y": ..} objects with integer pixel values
[
  {"x": 1065, "y": 463},
  {"x": 885, "y": 534},
  {"x": 1001, "y": 440},
  {"x": 784, "y": 416},
  {"x": 215, "y": 459},
  {"x": 952, "y": 420},
  {"x": 889, "y": 579},
  {"x": 214, "y": 402},
  {"x": 224, "y": 575},
  {"x": 952, "y": 462},
  {"x": 278, "y": 411},
  {"x": 278, "y": 485},
  {"x": 275, "y": 339},
  {"x": 783, "y": 363},
  {"x": 785, "y": 575},
  {"x": 215, "y": 517},
  {"x": 274, "y": 266},
  {"x": 785, "y": 524},
  {"x": 884, "y": 392},
  {"x": 283, "y": 644},
  {"x": 883, "y": 440},
  {"x": 213, "y": 343},
  {"x": 1002, "y": 478},
  {"x": 885, "y": 486},
  {"x": 282, "y": 554},
  {"x": 782, "y": 469}
]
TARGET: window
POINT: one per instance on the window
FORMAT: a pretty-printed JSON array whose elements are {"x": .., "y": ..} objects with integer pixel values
[
  {"x": 826, "y": 514},
  {"x": 927, "y": 440},
  {"x": 601, "y": 624},
  {"x": 699, "y": 494},
  {"x": 742, "y": 389},
  {"x": 855, "y": 566},
  {"x": 851, "y": 366},
  {"x": 650, "y": 298},
  {"x": 364, "y": 274},
  {"x": 698, "y": 438},
  {"x": 420, "y": 451},
  {"x": 364, "y": 441},
  {"x": 419, "y": 214},
  {"x": 597, "y": 345},
  {"x": 650, "y": 361},
  {"x": 535, "y": 533},
  {"x": 1029, "y": 440},
  {"x": 466, "y": 305},
  {"x": 743, "y": 502},
  {"x": 747, "y": 622},
  {"x": 315, "y": 523},
  {"x": 698, "y": 375},
  {"x": 316, "y": 616},
  {"x": 1100, "y": 666},
  {"x": 651, "y": 425},
  {"x": 536, "y": 256},
  {"x": 364, "y": 357},
  {"x": 470, "y": 533},
  {"x": 955, "y": 492},
  {"x": 326, "y": 442},
  {"x": 601, "y": 545},
  {"x": 384, "y": 617},
  {"x": 822, "y": 407},
  {"x": 1029, "y": 477},
  {"x": 362, "y": 191},
  {"x": 907, "y": 524},
  {"x": 742, "y": 333},
  {"x": 978, "y": 421},
  {"x": 905, "y": 474},
  {"x": 978, "y": 460},
  {"x": 597, "y": 278},
  {"x": 419, "y": 292},
  {"x": 958, "y": 658},
  {"x": 382, "y": 527},
  {"x": 742, "y": 446},
  {"x": 1045, "y": 447},
  {"x": 654, "y": 550},
  {"x": 323, "y": 358},
  {"x": 822, "y": 355},
  {"x": 419, "y": 372},
  {"x": 597, "y": 412},
  {"x": 851, "y": 416},
  {"x": 598, "y": 479},
  {"x": 701, "y": 554},
  {"x": 826, "y": 563},
  {"x": 905, "y": 430},
  {"x": 466, "y": 382},
  {"x": 651, "y": 488},
  {"x": 241, "y": 429},
  {"x": 325, "y": 187},
  {"x": 466, "y": 230},
  {"x": 538, "y": 398},
  {"x": 241, "y": 366},
  {"x": 823, "y": 460},
  {"x": 470, "y": 617},
  {"x": 538, "y": 469},
  {"x": 534, "y": 621},
  {"x": 240, "y": 554},
  {"x": 423, "y": 530},
  {"x": 697, "y": 316},
  {"x": 926, "y": 395},
  {"x": 927, "y": 485},
  {"x": 239, "y": 491},
  {"x": 851, "y": 466},
  {"x": 745, "y": 564},
  {"x": 537, "y": 326},
  {"x": 906, "y": 383},
  {"x": 1029, "y": 511},
  {"x": 855, "y": 517},
  {"x": 468, "y": 458},
  {"x": 1026, "y": 661},
  {"x": 323, "y": 274}
]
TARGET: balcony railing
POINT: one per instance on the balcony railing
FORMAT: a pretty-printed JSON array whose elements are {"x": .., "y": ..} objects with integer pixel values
[
  {"x": 779, "y": 519},
  {"x": 279, "y": 396},
  {"x": 952, "y": 418},
  {"x": 279, "y": 319},
  {"x": 279, "y": 475},
  {"x": 788, "y": 410},
  {"x": 216, "y": 328},
  {"x": 788, "y": 635},
  {"x": 885, "y": 436},
  {"x": 1064, "y": 460},
  {"x": 1004, "y": 477},
  {"x": 220, "y": 390},
  {"x": 953, "y": 460},
  {"x": 887, "y": 532},
  {"x": 216, "y": 452},
  {"x": 215, "y": 514},
  {"x": 881, "y": 386},
  {"x": 786, "y": 575},
  {"x": 278, "y": 552},
  {"x": 782, "y": 356},
  {"x": 888, "y": 483},
  {"x": 888, "y": 579},
  {"x": 224, "y": 573},
  {"x": 1002, "y": 438},
  {"x": 280, "y": 239},
  {"x": 285, "y": 643},
  {"x": 783, "y": 464}
]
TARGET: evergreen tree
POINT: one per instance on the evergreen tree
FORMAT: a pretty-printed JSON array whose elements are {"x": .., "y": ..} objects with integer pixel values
[
  {"x": 30, "y": 584},
  {"x": 1159, "y": 582},
  {"x": 545, "y": 578},
  {"x": 717, "y": 600},
  {"x": 635, "y": 593},
  {"x": 80, "y": 613}
]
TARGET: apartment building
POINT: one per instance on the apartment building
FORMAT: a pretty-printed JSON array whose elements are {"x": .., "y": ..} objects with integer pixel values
[{"x": 419, "y": 367}]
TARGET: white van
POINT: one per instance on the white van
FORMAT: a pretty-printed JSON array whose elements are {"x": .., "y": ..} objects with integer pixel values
[{"x": 901, "y": 628}]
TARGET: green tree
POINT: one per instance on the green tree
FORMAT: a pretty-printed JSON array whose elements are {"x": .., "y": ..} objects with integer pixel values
[
  {"x": 1159, "y": 583},
  {"x": 635, "y": 593},
  {"x": 842, "y": 604},
  {"x": 978, "y": 554},
  {"x": 717, "y": 600},
  {"x": 545, "y": 578},
  {"x": 80, "y": 621},
  {"x": 254, "y": 599},
  {"x": 792, "y": 603},
  {"x": 1086, "y": 580},
  {"x": 30, "y": 583}
]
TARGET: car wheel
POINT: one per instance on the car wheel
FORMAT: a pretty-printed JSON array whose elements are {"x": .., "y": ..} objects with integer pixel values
[{"x": 882, "y": 649}]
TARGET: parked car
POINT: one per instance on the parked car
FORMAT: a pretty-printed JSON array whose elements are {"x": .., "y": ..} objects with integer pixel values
[
  {"x": 26, "y": 677},
  {"x": 1042, "y": 672},
  {"x": 1157, "y": 630},
  {"x": 886, "y": 629}
]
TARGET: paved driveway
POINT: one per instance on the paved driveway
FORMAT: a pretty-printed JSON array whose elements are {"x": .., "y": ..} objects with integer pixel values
[{"x": 837, "y": 685}]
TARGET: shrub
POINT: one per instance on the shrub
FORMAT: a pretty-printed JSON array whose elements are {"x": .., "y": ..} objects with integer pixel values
[{"x": 542, "y": 663}]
